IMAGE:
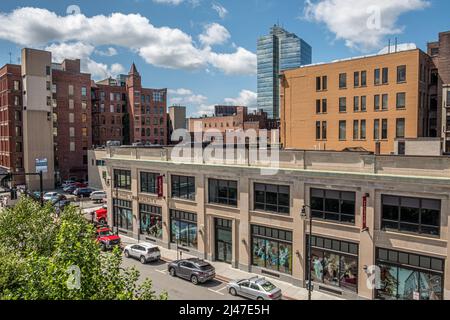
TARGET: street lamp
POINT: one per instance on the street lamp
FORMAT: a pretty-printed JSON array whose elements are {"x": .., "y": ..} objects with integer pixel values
[{"x": 304, "y": 215}]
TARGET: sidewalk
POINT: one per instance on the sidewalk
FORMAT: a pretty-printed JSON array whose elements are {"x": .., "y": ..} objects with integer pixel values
[{"x": 226, "y": 273}]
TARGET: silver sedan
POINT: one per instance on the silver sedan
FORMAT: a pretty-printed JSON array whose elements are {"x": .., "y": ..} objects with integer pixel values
[{"x": 255, "y": 288}]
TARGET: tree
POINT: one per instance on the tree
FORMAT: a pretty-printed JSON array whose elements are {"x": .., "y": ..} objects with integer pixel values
[{"x": 51, "y": 257}]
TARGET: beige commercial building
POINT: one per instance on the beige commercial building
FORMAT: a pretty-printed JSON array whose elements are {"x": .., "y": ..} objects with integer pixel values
[
  {"x": 366, "y": 102},
  {"x": 386, "y": 216}
]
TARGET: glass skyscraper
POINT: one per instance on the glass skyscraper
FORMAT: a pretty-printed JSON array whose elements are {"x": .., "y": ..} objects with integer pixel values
[{"x": 278, "y": 51}]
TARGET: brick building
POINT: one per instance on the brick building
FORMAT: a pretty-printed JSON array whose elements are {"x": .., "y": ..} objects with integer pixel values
[
  {"x": 52, "y": 113},
  {"x": 72, "y": 115},
  {"x": 370, "y": 103},
  {"x": 125, "y": 111},
  {"x": 11, "y": 141}
]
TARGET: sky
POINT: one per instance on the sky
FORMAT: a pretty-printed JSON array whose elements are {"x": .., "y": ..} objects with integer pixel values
[{"x": 204, "y": 51}]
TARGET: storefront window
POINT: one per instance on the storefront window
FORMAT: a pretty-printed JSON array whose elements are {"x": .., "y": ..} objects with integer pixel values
[
  {"x": 150, "y": 221},
  {"x": 405, "y": 276},
  {"x": 122, "y": 214},
  {"x": 334, "y": 263},
  {"x": 413, "y": 215},
  {"x": 183, "y": 227},
  {"x": 272, "y": 249}
]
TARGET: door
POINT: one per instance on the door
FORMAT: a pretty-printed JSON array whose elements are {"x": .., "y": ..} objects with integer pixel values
[
  {"x": 244, "y": 288},
  {"x": 184, "y": 270},
  {"x": 224, "y": 240}
]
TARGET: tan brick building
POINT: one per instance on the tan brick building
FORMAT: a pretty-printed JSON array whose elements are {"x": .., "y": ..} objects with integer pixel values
[{"x": 358, "y": 103}]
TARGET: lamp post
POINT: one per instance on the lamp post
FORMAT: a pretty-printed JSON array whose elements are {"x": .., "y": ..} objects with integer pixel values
[{"x": 304, "y": 215}]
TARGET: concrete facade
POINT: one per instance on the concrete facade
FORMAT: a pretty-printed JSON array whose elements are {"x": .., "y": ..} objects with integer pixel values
[{"x": 369, "y": 177}]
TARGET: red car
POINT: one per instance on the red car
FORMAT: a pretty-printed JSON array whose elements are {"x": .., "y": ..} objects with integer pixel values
[{"x": 107, "y": 239}]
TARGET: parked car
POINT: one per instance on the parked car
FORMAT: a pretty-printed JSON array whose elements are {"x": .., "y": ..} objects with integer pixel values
[
  {"x": 195, "y": 270},
  {"x": 83, "y": 192},
  {"x": 58, "y": 197},
  {"x": 107, "y": 239},
  {"x": 98, "y": 196},
  {"x": 255, "y": 288},
  {"x": 49, "y": 195},
  {"x": 61, "y": 205},
  {"x": 68, "y": 183},
  {"x": 70, "y": 189},
  {"x": 145, "y": 252}
]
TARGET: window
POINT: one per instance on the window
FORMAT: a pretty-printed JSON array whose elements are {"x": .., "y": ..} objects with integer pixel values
[
  {"x": 122, "y": 214},
  {"x": 318, "y": 106},
  {"x": 71, "y": 118},
  {"x": 183, "y": 228},
  {"x": 355, "y": 129},
  {"x": 376, "y": 129},
  {"x": 333, "y": 205},
  {"x": 384, "y": 129},
  {"x": 401, "y": 74},
  {"x": 413, "y": 215},
  {"x": 222, "y": 192},
  {"x": 272, "y": 249},
  {"x": 318, "y": 84},
  {"x": 317, "y": 130},
  {"x": 376, "y": 102},
  {"x": 324, "y": 130},
  {"x": 409, "y": 276},
  {"x": 149, "y": 182},
  {"x": 355, "y": 104},
  {"x": 72, "y": 146},
  {"x": 183, "y": 187},
  {"x": 363, "y": 104},
  {"x": 47, "y": 70},
  {"x": 385, "y": 76},
  {"x": 401, "y": 100},
  {"x": 16, "y": 85},
  {"x": 71, "y": 132},
  {"x": 122, "y": 179},
  {"x": 342, "y": 104},
  {"x": 71, "y": 104},
  {"x": 334, "y": 262},
  {"x": 385, "y": 101},
  {"x": 342, "y": 130},
  {"x": 324, "y": 106},
  {"x": 363, "y": 78},
  {"x": 343, "y": 81},
  {"x": 150, "y": 218},
  {"x": 271, "y": 198},
  {"x": 400, "y": 128},
  {"x": 48, "y": 86},
  {"x": 448, "y": 98},
  {"x": 377, "y": 77},
  {"x": 324, "y": 83},
  {"x": 84, "y": 132},
  {"x": 356, "y": 79},
  {"x": 363, "y": 130},
  {"x": 84, "y": 91},
  {"x": 70, "y": 90}
]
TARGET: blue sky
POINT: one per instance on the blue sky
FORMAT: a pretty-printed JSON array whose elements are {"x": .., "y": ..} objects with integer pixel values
[{"x": 203, "y": 50}]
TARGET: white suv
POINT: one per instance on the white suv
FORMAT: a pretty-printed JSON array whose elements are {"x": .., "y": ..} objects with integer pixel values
[{"x": 143, "y": 251}]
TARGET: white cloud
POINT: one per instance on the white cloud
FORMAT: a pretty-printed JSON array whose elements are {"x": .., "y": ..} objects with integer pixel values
[
  {"x": 179, "y": 92},
  {"x": 246, "y": 98},
  {"x": 362, "y": 24},
  {"x": 213, "y": 34},
  {"x": 110, "y": 52},
  {"x": 220, "y": 9},
  {"x": 82, "y": 51},
  {"x": 204, "y": 110},
  {"x": 160, "y": 46},
  {"x": 171, "y": 2},
  {"x": 241, "y": 62}
]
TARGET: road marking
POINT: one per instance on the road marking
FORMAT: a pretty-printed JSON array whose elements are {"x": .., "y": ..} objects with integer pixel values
[
  {"x": 161, "y": 271},
  {"x": 222, "y": 289},
  {"x": 216, "y": 291}
]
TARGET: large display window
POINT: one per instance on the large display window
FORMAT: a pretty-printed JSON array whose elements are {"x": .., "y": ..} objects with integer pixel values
[
  {"x": 334, "y": 263},
  {"x": 122, "y": 214},
  {"x": 272, "y": 249},
  {"x": 183, "y": 228},
  {"x": 150, "y": 221},
  {"x": 407, "y": 276}
]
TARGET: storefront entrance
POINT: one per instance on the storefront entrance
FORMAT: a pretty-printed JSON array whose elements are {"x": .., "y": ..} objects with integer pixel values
[{"x": 224, "y": 240}]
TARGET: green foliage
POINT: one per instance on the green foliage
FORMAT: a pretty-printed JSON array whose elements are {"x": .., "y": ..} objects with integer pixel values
[{"x": 48, "y": 257}]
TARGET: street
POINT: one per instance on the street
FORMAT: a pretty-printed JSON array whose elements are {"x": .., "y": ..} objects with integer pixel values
[{"x": 177, "y": 288}]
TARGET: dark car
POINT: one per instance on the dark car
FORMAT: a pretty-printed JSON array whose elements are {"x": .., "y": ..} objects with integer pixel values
[
  {"x": 83, "y": 192},
  {"x": 195, "y": 270}
]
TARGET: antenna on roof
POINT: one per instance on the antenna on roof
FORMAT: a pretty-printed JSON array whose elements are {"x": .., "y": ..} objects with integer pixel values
[
  {"x": 389, "y": 46},
  {"x": 396, "y": 44},
  {"x": 10, "y": 57}
]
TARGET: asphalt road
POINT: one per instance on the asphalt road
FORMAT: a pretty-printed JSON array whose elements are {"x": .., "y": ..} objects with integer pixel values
[{"x": 179, "y": 289}]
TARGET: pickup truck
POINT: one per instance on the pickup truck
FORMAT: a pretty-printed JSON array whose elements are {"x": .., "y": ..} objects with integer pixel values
[
  {"x": 107, "y": 239},
  {"x": 101, "y": 216}
]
